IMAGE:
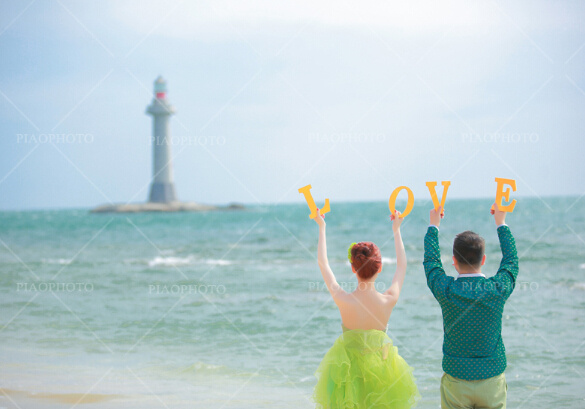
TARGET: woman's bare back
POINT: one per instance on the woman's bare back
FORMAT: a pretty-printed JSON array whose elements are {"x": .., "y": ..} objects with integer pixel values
[{"x": 365, "y": 309}]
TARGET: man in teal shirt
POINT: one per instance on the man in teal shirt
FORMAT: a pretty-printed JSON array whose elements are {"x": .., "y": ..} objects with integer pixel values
[{"x": 474, "y": 357}]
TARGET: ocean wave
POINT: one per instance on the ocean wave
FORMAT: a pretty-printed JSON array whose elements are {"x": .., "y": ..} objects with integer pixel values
[
  {"x": 173, "y": 261},
  {"x": 194, "y": 369},
  {"x": 62, "y": 261},
  {"x": 202, "y": 366},
  {"x": 388, "y": 260},
  {"x": 218, "y": 262},
  {"x": 578, "y": 286},
  {"x": 170, "y": 261},
  {"x": 385, "y": 260}
]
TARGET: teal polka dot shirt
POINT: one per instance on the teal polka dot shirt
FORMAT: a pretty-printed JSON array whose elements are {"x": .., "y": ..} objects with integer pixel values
[{"x": 472, "y": 310}]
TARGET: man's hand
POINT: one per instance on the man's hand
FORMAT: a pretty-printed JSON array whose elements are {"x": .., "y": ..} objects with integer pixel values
[
  {"x": 320, "y": 219},
  {"x": 396, "y": 221},
  {"x": 437, "y": 215},
  {"x": 499, "y": 216}
]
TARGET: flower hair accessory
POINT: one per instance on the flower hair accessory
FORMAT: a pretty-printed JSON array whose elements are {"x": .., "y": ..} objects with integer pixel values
[{"x": 349, "y": 251}]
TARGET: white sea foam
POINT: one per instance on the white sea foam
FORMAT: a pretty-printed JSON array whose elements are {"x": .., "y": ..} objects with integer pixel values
[
  {"x": 170, "y": 261},
  {"x": 62, "y": 261},
  {"x": 582, "y": 266},
  {"x": 204, "y": 366},
  {"x": 219, "y": 262},
  {"x": 578, "y": 286},
  {"x": 385, "y": 260}
]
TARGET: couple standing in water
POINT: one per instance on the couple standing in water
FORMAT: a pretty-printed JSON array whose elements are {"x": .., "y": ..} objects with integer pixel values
[{"x": 363, "y": 368}]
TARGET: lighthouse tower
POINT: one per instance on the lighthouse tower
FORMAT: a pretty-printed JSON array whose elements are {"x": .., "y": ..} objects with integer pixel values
[
  {"x": 162, "y": 197},
  {"x": 162, "y": 189}
]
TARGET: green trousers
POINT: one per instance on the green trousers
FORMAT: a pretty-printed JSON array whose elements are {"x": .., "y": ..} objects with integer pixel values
[{"x": 484, "y": 393}]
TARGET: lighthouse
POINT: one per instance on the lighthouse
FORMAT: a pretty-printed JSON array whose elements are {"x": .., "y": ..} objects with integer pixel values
[
  {"x": 162, "y": 189},
  {"x": 162, "y": 197}
]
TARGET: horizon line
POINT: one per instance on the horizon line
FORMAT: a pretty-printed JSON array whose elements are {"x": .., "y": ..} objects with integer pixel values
[{"x": 300, "y": 201}]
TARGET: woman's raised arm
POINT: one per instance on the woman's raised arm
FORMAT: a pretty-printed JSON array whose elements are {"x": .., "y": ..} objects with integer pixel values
[
  {"x": 398, "y": 279},
  {"x": 334, "y": 289}
]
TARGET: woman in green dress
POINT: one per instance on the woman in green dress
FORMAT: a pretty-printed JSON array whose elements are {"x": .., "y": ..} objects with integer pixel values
[{"x": 363, "y": 368}]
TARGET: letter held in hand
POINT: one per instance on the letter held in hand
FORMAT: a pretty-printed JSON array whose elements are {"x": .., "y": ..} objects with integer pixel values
[
  {"x": 505, "y": 194},
  {"x": 409, "y": 204},
  {"x": 433, "y": 192},
  {"x": 306, "y": 191}
]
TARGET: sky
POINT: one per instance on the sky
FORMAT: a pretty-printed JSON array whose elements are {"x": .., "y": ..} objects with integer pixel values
[{"x": 354, "y": 98}]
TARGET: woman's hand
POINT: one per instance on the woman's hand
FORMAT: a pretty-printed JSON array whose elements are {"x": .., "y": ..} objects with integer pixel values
[
  {"x": 396, "y": 221},
  {"x": 320, "y": 219}
]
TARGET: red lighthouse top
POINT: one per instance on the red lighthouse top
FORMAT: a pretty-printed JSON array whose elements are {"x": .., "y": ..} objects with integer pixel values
[{"x": 160, "y": 88}]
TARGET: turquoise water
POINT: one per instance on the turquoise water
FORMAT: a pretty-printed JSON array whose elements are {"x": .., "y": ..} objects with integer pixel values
[{"x": 228, "y": 309}]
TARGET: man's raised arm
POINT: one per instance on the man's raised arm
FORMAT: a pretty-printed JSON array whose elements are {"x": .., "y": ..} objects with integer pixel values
[
  {"x": 508, "y": 271},
  {"x": 436, "y": 277}
]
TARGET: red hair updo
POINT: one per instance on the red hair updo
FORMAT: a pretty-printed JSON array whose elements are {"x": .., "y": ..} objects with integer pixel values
[{"x": 366, "y": 259}]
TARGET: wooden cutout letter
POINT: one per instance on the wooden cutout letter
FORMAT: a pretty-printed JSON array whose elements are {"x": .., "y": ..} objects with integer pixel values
[
  {"x": 306, "y": 191},
  {"x": 505, "y": 194},
  {"x": 394, "y": 195},
  {"x": 431, "y": 186}
]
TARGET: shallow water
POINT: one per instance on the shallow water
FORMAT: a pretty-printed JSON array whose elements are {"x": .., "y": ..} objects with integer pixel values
[{"x": 228, "y": 309}]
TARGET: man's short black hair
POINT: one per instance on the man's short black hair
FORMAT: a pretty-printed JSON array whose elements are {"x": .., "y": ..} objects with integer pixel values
[{"x": 468, "y": 249}]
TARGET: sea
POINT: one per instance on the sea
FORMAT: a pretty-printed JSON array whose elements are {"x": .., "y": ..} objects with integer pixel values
[{"x": 227, "y": 309}]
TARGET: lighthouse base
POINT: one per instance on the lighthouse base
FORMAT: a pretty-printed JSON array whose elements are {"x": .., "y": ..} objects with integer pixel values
[{"x": 162, "y": 193}]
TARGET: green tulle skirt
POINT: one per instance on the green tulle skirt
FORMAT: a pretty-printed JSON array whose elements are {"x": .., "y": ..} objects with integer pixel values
[{"x": 363, "y": 370}]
